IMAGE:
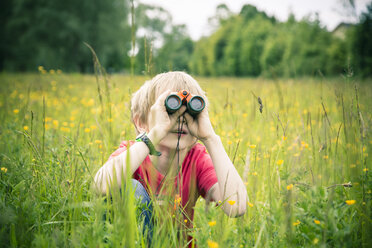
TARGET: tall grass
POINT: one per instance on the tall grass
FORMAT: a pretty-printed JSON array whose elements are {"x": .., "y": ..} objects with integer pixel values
[{"x": 297, "y": 158}]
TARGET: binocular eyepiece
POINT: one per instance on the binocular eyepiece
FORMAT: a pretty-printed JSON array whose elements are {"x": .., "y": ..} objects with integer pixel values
[{"x": 194, "y": 104}]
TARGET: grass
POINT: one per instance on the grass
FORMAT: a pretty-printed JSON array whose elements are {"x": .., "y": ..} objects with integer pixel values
[{"x": 304, "y": 160}]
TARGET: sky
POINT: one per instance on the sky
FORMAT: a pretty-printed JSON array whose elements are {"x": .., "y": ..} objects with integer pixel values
[{"x": 195, "y": 13}]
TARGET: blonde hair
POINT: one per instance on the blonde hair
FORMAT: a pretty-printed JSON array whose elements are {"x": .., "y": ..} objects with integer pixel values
[{"x": 146, "y": 96}]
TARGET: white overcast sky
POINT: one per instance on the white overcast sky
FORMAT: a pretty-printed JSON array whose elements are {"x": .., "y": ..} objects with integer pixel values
[{"x": 195, "y": 13}]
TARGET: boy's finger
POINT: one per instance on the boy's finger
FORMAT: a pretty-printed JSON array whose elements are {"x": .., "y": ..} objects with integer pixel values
[
  {"x": 173, "y": 117},
  {"x": 189, "y": 118},
  {"x": 161, "y": 99}
]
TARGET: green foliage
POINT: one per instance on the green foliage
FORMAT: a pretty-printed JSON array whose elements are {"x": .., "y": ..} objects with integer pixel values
[
  {"x": 253, "y": 44},
  {"x": 361, "y": 40},
  {"x": 51, "y": 33},
  {"x": 250, "y": 43}
]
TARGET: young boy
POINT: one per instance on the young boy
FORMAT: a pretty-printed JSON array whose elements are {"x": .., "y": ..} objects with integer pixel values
[{"x": 190, "y": 169}]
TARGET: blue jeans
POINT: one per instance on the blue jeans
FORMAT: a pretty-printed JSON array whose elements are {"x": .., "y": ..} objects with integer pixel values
[{"x": 145, "y": 208}]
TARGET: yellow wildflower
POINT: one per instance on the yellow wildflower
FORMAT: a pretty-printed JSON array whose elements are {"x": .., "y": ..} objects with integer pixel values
[
  {"x": 317, "y": 222},
  {"x": 3, "y": 169},
  {"x": 185, "y": 220},
  {"x": 51, "y": 71},
  {"x": 110, "y": 120},
  {"x": 212, "y": 223},
  {"x": 296, "y": 223},
  {"x": 16, "y": 111},
  {"x": 365, "y": 169},
  {"x": 315, "y": 241},
  {"x": 177, "y": 199},
  {"x": 284, "y": 137},
  {"x": 252, "y": 146},
  {"x": 87, "y": 130},
  {"x": 350, "y": 202},
  {"x": 98, "y": 141},
  {"x": 25, "y": 128},
  {"x": 212, "y": 244},
  {"x": 289, "y": 187},
  {"x": 325, "y": 156},
  {"x": 229, "y": 142},
  {"x": 250, "y": 204},
  {"x": 231, "y": 202},
  {"x": 280, "y": 162},
  {"x": 65, "y": 129},
  {"x": 90, "y": 102}
]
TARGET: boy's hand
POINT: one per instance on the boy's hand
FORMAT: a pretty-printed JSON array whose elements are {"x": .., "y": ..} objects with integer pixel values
[
  {"x": 159, "y": 122},
  {"x": 200, "y": 126}
]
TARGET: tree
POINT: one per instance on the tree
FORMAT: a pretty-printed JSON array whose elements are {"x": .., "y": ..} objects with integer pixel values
[
  {"x": 361, "y": 40},
  {"x": 51, "y": 33}
]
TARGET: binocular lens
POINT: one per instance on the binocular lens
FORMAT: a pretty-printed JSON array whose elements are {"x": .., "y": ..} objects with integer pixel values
[
  {"x": 173, "y": 102},
  {"x": 197, "y": 104}
]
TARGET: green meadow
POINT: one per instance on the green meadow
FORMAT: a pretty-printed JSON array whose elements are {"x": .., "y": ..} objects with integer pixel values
[{"x": 303, "y": 153}]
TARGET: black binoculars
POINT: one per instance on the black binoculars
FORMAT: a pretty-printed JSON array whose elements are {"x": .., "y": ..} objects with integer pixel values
[{"x": 194, "y": 104}]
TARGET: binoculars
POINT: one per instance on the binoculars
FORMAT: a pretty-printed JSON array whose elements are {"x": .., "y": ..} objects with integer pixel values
[{"x": 194, "y": 104}]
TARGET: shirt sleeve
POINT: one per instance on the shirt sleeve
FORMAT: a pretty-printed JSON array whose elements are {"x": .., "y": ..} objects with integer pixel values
[{"x": 205, "y": 173}]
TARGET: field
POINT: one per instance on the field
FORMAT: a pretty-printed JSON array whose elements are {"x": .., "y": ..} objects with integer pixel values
[{"x": 305, "y": 161}]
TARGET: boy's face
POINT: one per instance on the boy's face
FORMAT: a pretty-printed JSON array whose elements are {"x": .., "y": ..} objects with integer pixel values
[{"x": 186, "y": 140}]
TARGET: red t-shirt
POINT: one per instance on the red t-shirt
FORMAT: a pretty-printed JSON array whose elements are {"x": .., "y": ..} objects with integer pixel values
[{"x": 196, "y": 176}]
